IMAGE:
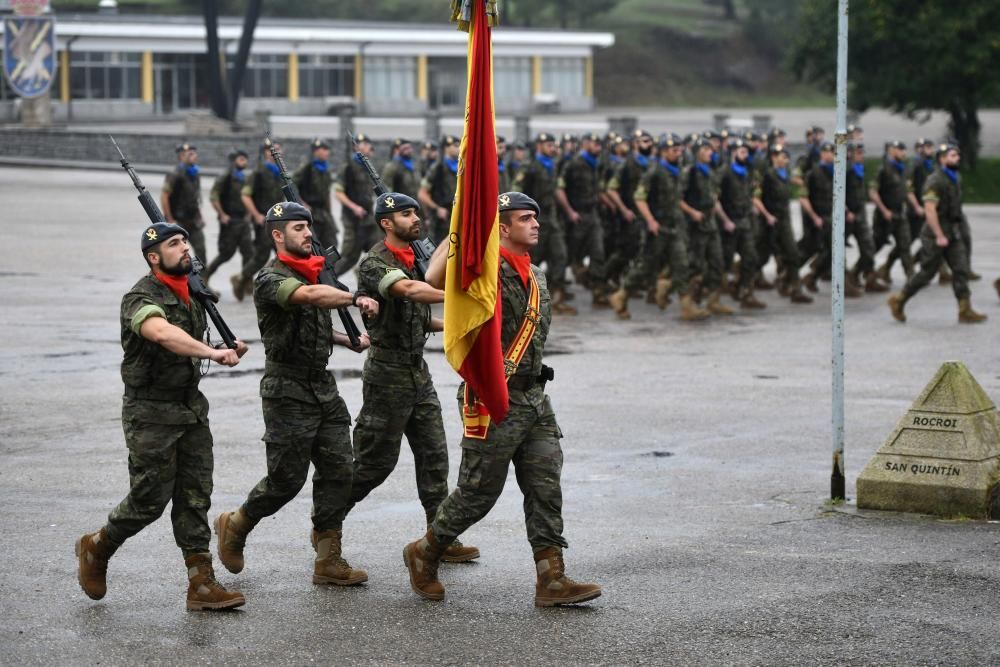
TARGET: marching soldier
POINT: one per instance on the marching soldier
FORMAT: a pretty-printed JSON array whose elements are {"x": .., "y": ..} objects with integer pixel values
[
  {"x": 180, "y": 198},
  {"x": 353, "y": 190},
  {"x": 428, "y": 156},
  {"x": 941, "y": 239},
  {"x": 568, "y": 148},
  {"x": 863, "y": 274},
  {"x": 622, "y": 244},
  {"x": 399, "y": 395},
  {"x": 234, "y": 225},
  {"x": 305, "y": 418},
  {"x": 699, "y": 200},
  {"x": 518, "y": 158},
  {"x": 528, "y": 437},
  {"x": 537, "y": 179},
  {"x": 437, "y": 190},
  {"x": 503, "y": 175},
  {"x": 261, "y": 191},
  {"x": 165, "y": 418},
  {"x": 737, "y": 233},
  {"x": 888, "y": 193},
  {"x": 817, "y": 216},
  {"x": 917, "y": 173},
  {"x": 398, "y": 174},
  {"x": 314, "y": 181}
]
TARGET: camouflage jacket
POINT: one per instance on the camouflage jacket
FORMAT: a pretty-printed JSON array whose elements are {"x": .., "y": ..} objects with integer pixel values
[
  {"x": 441, "y": 182},
  {"x": 400, "y": 179},
  {"x": 353, "y": 181},
  {"x": 184, "y": 195},
  {"x": 661, "y": 190},
  {"x": 227, "y": 190},
  {"x": 819, "y": 190},
  {"x": 916, "y": 177},
  {"x": 582, "y": 184},
  {"x": 701, "y": 191},
  {"x": 947, "y": 195},
  {"x": 857, "y": 195},
  {"x": 891, "y": 184},
  {"x": 314, "y": 185},
  {"x": 626, "y": 177},
  {"x": 736, "y": 193},
  {"x": 774, "y": 193},
  {"x": 263, "y": 188},
  {"x": 398, "y": 332},
  {"x": 513, "y": 302},
  {"x": 536, "y": 181}
]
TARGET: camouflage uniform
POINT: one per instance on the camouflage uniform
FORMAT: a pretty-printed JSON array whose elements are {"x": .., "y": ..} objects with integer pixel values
[
  {"x": 235, "y": 234},
  {"x": 701, "y": 191},
  {"x": 264, "y": 188},
  {"x": 774, "y": 192},
  {"x": 314, "y": 183},
  {"x": 399, "y": 395},
  {"x": 919, "y": 171},
  {"x": 818, "y": 189},
  {"x": 538, "y": 180},
  {"x": 441, "y": 182},
  {"x": 660, "y": 188},
  {"x": 503, "y": 177},
  {"x": 399, "y": 177},
  {"x": 165, "y": 419},
  {"x": 891, "y": 185},
  {"x": 581, "y": 182},
  {"x": 305, "y": 419},
  {"x": 359, "y": 233},
  {"x": 184, "y": 194},
  {"x": 736, "y": 197},
  {"x": 528, "y": 437},
  {"x": 628, "y": 236},
  {"x": 856, "y": 198}
]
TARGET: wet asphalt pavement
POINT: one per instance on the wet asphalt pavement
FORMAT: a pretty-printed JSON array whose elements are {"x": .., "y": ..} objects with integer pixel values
[{"x": 697, "y": 470}]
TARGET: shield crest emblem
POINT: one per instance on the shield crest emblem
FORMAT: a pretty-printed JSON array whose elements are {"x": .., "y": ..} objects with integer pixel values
[{"x": 29, "y": 54}]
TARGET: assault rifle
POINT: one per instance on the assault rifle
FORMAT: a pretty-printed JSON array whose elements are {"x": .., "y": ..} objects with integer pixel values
[
  {"x": 327, "y": 276},
  {"x": 199, "y": 290},
  {"x": 422, "y": 248}
]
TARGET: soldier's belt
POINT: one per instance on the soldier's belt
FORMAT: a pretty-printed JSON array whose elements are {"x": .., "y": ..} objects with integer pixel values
[
  {"x": 158, "y": 394},
  {"x": 293, "y": 372},
  {"x": 396, "y": 356}
]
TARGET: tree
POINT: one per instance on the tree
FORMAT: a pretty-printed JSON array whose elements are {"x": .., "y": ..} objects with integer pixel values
[{"x": 911, "y": 57}]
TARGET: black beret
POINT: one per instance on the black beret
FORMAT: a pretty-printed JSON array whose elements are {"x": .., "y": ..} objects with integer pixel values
[
  {"x": 737, "y": 143},
  {"x": 501, "y": 139},
  {"x": 519, "y": 146},
  {"x": 852, "y": 128},
  {"x": 711, "y": 134},
  {"x": 945, "y": 147},
  {"x": 826, "y": 146},
  {"x": 399, "y": 142},
  {"x": 517, "y": 201},
  {"x": 569, "y": 137},
  {"x": 449, "y": 140},
  {"x": 391, "y": 202},
  {"x": 236, "y": 152},
  {"x": 159, "y": 232},
  {"x": 180, "y": 148},
  {"x": 897, "y": 144},
  {"x": 774, "y": 132},
  {"x": 362, "y": 138},
  {"x": 670, "y": 140},
  {"x": 816, "y": 128},
  {"x": 286, "y": 211},
  {"x": 430, "y": 145},
  {"x": 700, "y": 143},
  {"x": 591, "y": 136},
  {"x": 319, "y": 143},
  {"x": 641, "y": 134},
  {"x": 777, "y": 148},
  {"x": 855, "y": 146},
  {"x": 693, "y": 137},
  {"x": 543, "y": 137},
  {"x": 922, "y": 142}
]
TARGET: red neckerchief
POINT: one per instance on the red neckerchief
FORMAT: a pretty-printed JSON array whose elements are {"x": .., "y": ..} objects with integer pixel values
[
  {"x": 176, "y": 284},
  {"x": 521, "y": 264},
  {"x": 308, "y": 268},
  {"x": 403, "y": 255}
]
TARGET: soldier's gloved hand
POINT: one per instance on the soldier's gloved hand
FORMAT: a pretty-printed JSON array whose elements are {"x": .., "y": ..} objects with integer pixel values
[{"x": 226, "y": 357}]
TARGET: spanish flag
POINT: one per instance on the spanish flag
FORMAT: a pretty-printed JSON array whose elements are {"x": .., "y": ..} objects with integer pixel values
[{"x": 472, "y": 294}]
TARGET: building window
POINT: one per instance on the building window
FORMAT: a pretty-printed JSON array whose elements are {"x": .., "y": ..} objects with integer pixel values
[
  {"x": 104, "y": 76},
  {"x": 512, "y": 77},
  {"x": 390, "y": 77},
  {"x": 326, "y": 76},
  {"x": 266, "y": 76},
  {"x": 563, "y": 76}
]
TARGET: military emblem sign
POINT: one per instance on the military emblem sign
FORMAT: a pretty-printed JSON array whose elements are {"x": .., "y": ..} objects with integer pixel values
[{"x": 29, "y": 54}]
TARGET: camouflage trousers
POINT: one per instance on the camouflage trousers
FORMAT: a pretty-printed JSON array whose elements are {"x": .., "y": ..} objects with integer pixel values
[
  {"x": 262, "y": 248},
  {"x": 528, "y": 438},
  {"x": 359, "y": 236},
  {"x": 931, "y": 257},
  {"x": 551, "y": 249},
  {"x": 324, "y": 227},
  {"x": 668, "y": 248},
  {"x": 779, "y": 240},
  {"x": 233, "y": 236},
  {"x": 861, "y": 232},
  {"x": 298, "y": 433},
  {"x": 622, "y": 243},
  {"x": 742, "y": 241},
  {"x": 706, "y": 254},
  {"x": 586, "y": 239},
  {"x": 166, "y": 463},
  {"x": 899, "y": 230},
  {"x": 387, "y": 415}
]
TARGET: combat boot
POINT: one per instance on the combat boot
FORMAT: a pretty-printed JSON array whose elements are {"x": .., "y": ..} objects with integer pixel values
[
  {"x": 750, "y": 301},
  {"x": 553, "y": 587},
  {"x": 662, "y": 292},
  {"x": 763, "y": 283},
  {"x": 92, "y": 553},
  {"x": 330, "y": 567},
  {"x": 600, "y": 298},
  {"x": 619, "y": 303},
  {"x": 715, "y": 307},
  {"x": 237, "y": 282},
  {"x": 422, "y": 559},
  {"x": 204, "y": 592},
  {"x": 883, "y": 273},
  {"x": 456, "y": 552},
  {"x": 996, "y": 286},
  {"x": 851, "y": 289},
  {"x": 873, "y": 284},
  {"x": 690, "y": 312},
  {"x": 896, "y": 303},
  {"x": 579, "y": 274},
  {"x": 559, "y": 305},
  {"x": 809, "y": 282},
  {"x": 966, "y": 315},
  {"x": 798, "y": 296},
  {"x": 944, "y": 275},
  {"x": 232, "y": 529}
]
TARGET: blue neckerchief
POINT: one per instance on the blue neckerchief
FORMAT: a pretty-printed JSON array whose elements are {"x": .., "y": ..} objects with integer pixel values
[
  {"x": 273, "y": 168},
  {"x": 452, "y": 164},
  {"x": 545, "y": 161},
  {"x": 190, "y": 169},
  {"x": 514, "y": 166},
  {"x": 674, "y": 170},
  {"x": 827, "y": 167},
  {"x": 751, "y": 154},
  {"x": 950, "y": 173},
  {"x": 900, "y": 167},
  {"x": 239, "y": 175},
  {"x": 500, "y": 166},
  {"x": 320, "y": 166},
  {"x": 782, "y": 173},
  {"x": 357, "y": 158},
  {"x": 407, "y": 162},
  {"x": 704, "y": 168},
  {"x": 929, "y": 165},
  {"x": 859, "y": 170},
  {"x": 616, "y": 159},
  {"x": 715, "y": 158},
  {"x": 642, "y": 160},
  {"x": 589, "y": 159},
  {"x": 739, "y": 170}
]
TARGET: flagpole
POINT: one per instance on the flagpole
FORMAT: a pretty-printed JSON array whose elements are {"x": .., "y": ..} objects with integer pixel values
[{"x": 837, "y": 481}]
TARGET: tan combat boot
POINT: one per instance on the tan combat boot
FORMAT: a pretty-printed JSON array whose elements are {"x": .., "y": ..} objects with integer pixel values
[
  {"x": 559, "y": 305},
  {"x": 662, "y": 292},
  {"x": 92, "y": 553},
  {"x": 422, "y": 559},
  {"x": 883, "y": 273},
  {"x": 553, "y": 586},
  {"x": 330, "y": 566},
  {"x": 619, "y": 303},
  {"x": 851, "y": 288},
  {"x": 944, "y": 275},
  {"x": 748, "y": 300},
  {"x": 690, "y": 311},
  {"x": 715, "y": 307},
  {"x": 966, "y": 315},
  {"x": 456, "y": 552},
  {"x": 763, "y": 283},
  {"x": 579, "y": 274},
  {"x": 600, "y": 298},
  {"x": 809, "y": 282},
  {"x": 896, "y": 303},
  {"x": 873, "y": 284},
  {"x": 232, "y": 529},
  {"x": 204, "y": 592},
  {"x": 237, "y": 282}
]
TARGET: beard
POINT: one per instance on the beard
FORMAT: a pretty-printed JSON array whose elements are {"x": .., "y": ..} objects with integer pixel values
[
  {"x": 956, "y": 167},
  {"x": 303, "y": 251},
  {"x": 646, "y": 151},
  {"x": 181, "y": 268},
  {"x": 407, "y": 234}
]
